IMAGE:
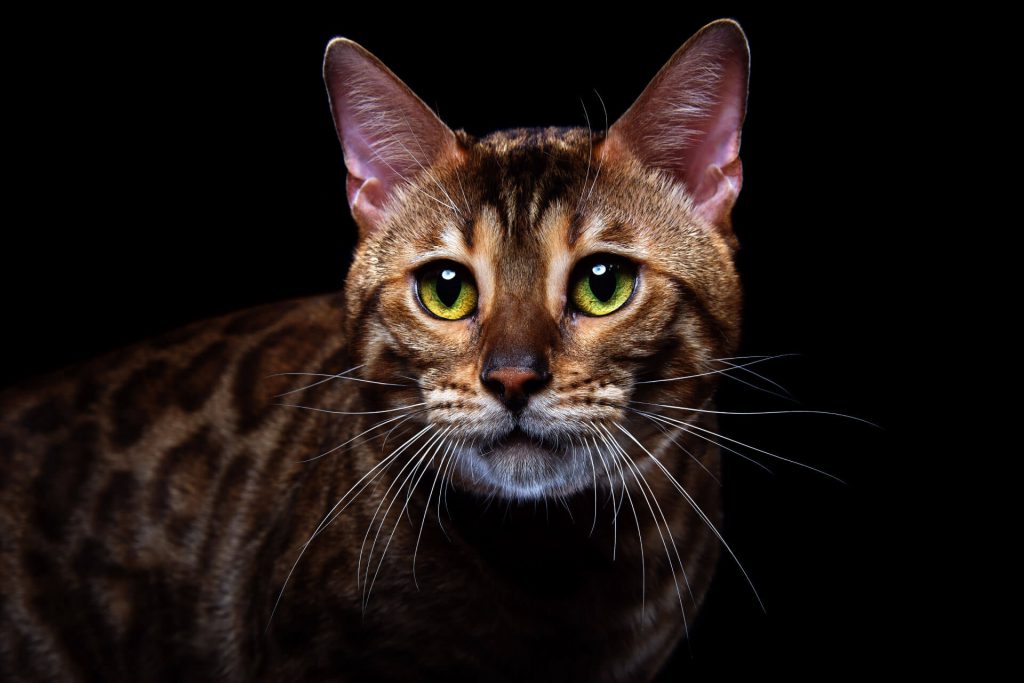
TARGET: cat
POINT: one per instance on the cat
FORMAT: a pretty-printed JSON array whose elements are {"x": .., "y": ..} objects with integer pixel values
[{"x": 461, "y": 466}]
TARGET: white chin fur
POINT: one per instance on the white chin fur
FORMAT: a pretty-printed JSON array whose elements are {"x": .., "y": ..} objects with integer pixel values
[{"x": 525, "y": 471}]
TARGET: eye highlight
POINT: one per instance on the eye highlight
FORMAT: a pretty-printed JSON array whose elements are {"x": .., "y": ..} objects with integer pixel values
[
  {"x": 446, "y": 290},
  {"x": 602, "y": 284}
]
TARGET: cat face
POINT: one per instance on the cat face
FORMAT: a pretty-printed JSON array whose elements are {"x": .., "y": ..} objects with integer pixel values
[{"x": 539, "y": 285}]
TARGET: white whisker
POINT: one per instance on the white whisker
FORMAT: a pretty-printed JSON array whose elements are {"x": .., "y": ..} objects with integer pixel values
[
  {"x": 379, "y": 424},
  {"x": 689, "y": 426},
  {"x": 639, "y": 477},
  {"x": 615, "y": 507},
  {"x": 676, "y": 423},
  {"x": 344, "y": 412},
  {"x": 586, "y": 176},
  {"x": 324, "y": 523},
  {"x": 755, "y": 412},
  {"x": 327, "y": 377},
  {"x": 746, "y": 368},
  {"x": 426, "y": 509},
  {"x": 600, "y": 164},
  {"x": 651, "y": 417},
  {"x": 434, "y": 440},
  {"x": 428, "y": 172},
  {"x": 716, "y": 371},
  {"x": 376, "y": 511},
  {"x": 700, "y": 513},
  {"x": 639, "y": 535},
  {"x": 593, "y": 472}
]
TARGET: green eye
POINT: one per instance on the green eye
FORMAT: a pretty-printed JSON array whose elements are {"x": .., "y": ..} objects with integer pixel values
[
  {"x": 602, "y": 284},
  {"x": 446, "y": 289}
]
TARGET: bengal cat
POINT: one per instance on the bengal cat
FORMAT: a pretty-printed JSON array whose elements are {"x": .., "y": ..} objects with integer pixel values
[{"x": 463, "y": 467}]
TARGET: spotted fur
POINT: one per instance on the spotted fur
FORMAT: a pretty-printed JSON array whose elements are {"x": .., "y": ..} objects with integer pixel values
[{"x": 169, "y": 510}]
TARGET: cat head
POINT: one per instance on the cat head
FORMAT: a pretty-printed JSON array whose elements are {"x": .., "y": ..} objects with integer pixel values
[{"x": 540, "y": 285}]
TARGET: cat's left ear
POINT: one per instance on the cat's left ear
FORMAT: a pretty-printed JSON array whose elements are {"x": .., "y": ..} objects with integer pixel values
[
  {"x": 687, "y": 121},
  {"x": 388, "y": 135}
]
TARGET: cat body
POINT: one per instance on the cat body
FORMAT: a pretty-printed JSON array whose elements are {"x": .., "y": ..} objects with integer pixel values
[{"x": 461, "y": 467}]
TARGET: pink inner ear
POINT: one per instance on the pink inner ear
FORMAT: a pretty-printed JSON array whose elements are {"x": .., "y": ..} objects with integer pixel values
[
  {"x": 371, "y": 176},
  {"x": 366, "y": 198},
  {"x": 716, "y": 156},
  {"x": 388, "y": 135},
  {"x": 357, "y": 155},
  {"x": 379, "y": 139},
  {"x": 687, "y": 122}
]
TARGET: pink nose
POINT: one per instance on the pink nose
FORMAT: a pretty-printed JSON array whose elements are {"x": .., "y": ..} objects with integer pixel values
[{"x": 514, "y": 385}]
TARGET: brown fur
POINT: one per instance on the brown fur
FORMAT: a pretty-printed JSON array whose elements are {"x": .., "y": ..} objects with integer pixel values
[{"x": 155, "y": 500}]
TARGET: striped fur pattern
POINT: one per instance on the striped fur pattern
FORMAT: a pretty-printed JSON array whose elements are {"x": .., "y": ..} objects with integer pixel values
[{"x": 325, "y": 489}]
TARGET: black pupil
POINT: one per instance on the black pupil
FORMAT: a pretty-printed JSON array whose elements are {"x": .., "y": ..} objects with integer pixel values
[
  {"x": 602, "y": 281},
  {"x": 449, "y": 285}
]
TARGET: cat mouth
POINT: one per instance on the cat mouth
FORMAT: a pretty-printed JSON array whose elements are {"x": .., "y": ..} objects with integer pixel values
[
  {"x": 522, "y": 466},
  {"x": 519, "y": 443}
]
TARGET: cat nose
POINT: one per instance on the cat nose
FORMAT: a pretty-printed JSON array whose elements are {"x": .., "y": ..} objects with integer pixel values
[{"x": 513, "y": 385}]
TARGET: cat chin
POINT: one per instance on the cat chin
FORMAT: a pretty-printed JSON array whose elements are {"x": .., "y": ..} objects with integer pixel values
[{"x": 520, "y": 468}]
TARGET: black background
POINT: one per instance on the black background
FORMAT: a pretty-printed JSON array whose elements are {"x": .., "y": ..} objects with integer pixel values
[{"x": 171, "y": 167}]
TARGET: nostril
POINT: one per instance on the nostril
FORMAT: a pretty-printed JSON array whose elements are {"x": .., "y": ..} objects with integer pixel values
[
  {"x": 536, "y": 383},
  {"x": 495, "y": 386}
]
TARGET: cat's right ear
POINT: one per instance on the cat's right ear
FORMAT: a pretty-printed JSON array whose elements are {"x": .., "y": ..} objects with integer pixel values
[{"x": 387, "y": 133}]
